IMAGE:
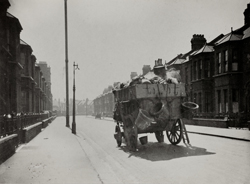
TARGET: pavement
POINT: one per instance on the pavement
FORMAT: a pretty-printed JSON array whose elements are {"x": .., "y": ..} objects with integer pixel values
[
  {"x": 229, "y": 133},
  {"x": 53, "y": 156},
  {"x": 56, "y": 156}
]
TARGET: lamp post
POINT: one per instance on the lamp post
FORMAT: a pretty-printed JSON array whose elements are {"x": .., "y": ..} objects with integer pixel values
[
  {"x": 75, "y": 67},
  {"x": 66, "y": 64}
]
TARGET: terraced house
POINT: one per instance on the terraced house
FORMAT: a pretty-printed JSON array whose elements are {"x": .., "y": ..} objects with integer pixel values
[
  {"x": 23, "y": 86},
  {"x": 217, "y": 73}
]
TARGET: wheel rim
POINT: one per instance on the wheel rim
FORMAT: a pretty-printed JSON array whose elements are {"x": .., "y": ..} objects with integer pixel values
[{"x": 175, "y": 134}]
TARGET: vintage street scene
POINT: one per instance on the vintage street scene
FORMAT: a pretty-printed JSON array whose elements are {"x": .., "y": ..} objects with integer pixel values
[{"x": 124, "y": 91}]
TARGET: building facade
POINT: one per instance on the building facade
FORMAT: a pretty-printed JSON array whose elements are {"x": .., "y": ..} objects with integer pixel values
[
  {"x": 10, "y": 66},
  {"x": 48, "y": 98},
  {"x": 23, "y": 87},
  {"x": 217, "y": 74}
]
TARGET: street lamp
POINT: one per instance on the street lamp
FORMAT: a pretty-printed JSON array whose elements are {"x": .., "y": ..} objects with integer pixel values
[{"x": 75, "y": 67}]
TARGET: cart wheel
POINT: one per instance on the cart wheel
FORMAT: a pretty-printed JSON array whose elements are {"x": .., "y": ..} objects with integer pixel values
[
  {"x": 175, "y": 134},
  {"x": 118, "y": 136},
  {"x": 159, "y": 136}
]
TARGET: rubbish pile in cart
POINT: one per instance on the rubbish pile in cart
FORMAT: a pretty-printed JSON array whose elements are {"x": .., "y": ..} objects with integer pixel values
[{"x": 159, "y": 75}]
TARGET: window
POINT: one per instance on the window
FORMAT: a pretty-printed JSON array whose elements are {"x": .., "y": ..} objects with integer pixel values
[
  {"x": 225, "y": 100},
  {"x": 207, "y": 101},
  {"x": 199, "y": 102},
  {"x": 219, "y": 101},
  {"x": 225, "y": 61},
  {"x": 24, "y": 100},
  {"x": 186, "y": 75},
  {"x": 195, "y": 69},
  {"x": 235, "y": 60},
  {"x": 235, "y": 95},
  {"x": 194, "y": 97},
  {"x": 22, "y": 58},
  {"x": 235, "y": 55},
  {"x": 235, "y": 100},
  {"x": 199, "y": 69},
  {"x": 207, "y": 69},
  {"x": 218, "y": 62}
]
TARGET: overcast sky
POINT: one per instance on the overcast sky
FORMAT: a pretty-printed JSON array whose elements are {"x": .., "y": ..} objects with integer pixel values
[{"x": 109, "y": 39}]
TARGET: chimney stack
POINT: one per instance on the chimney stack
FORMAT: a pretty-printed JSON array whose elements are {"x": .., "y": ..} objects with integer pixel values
[
  {"x": 146, "y": 69},
  {"x": 133, "y": 74},
  {"x": 4, "y": 5},
  {"x": 247, "y": 14},
  {"x": 197, "y": 41}
]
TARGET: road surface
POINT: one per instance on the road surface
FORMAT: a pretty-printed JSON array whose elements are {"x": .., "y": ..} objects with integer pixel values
[
  {"x": 210, "y": 160},
  {"x": 92, "y": 156}
]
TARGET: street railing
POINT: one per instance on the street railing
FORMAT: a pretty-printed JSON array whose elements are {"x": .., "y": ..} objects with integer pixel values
[{"x": 13, "y": 123}]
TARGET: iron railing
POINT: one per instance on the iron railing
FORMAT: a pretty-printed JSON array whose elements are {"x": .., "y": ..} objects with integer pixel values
[{"x": 11, "y": 124}]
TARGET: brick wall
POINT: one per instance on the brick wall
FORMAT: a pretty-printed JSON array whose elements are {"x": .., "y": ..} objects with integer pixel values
[
  {"x": 30, "y": 132},
  {"x": 7, "y": 147}
]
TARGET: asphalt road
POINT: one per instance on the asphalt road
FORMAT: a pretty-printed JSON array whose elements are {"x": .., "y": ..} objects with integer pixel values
[
  {"x": 209, "y": 160},
  {"x": 92, "y": 156}
]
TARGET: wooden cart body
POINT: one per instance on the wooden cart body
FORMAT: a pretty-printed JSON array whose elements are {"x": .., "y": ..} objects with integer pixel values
[
  {"x": 170, "y": 94},
  {"x": 133, "y": 100}
]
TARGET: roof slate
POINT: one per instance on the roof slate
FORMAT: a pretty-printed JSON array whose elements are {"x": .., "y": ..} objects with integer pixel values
[
  {"x": 229, "y": 37},
  {"x": 23, "y": 42},
  {"x": 205, "y": 49},
  {"x": 246, "y": 33},
  {"x": 177, "y": 61}
]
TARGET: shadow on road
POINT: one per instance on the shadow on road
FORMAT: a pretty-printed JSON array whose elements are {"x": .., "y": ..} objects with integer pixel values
[{"x": 162, "y": 151}]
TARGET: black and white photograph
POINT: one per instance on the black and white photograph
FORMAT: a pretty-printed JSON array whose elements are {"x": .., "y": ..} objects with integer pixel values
[{"x": 124, "y": 92}]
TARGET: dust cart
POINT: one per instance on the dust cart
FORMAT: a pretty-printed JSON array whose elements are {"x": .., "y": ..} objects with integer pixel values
[{"x": 151, "y": 108}]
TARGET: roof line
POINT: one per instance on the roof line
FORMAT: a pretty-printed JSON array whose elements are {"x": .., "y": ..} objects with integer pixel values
[{"x": 23, "y": 41}]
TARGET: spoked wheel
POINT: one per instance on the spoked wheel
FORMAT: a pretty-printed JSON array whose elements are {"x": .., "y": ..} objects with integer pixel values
[
  {"x": 175, "y": 134},
  {"x": 159, "y": 136}
]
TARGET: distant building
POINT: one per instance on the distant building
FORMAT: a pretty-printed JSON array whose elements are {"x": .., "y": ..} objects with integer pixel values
[
  {"x": 85, "y": 107},
  {"x": 47, "y": 76},
  {"x": 59, "y": 107}
]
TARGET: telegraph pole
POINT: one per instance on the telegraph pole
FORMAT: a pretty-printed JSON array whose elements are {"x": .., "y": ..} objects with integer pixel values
[
  {"x": 75, "y": 67},
  {"x": 66, "y": 64}
]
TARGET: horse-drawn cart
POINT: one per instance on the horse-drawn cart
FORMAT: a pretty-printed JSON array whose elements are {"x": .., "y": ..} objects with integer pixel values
[{"x": 151, "y": 108}]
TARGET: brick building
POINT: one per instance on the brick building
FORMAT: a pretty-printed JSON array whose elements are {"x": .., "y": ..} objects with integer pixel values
[
  {"x": 217, "y": 74},
  {"x": 10, "y": 80},
  {"x": 47, "y": 85},
  {"x": 22, "y": 85}
]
